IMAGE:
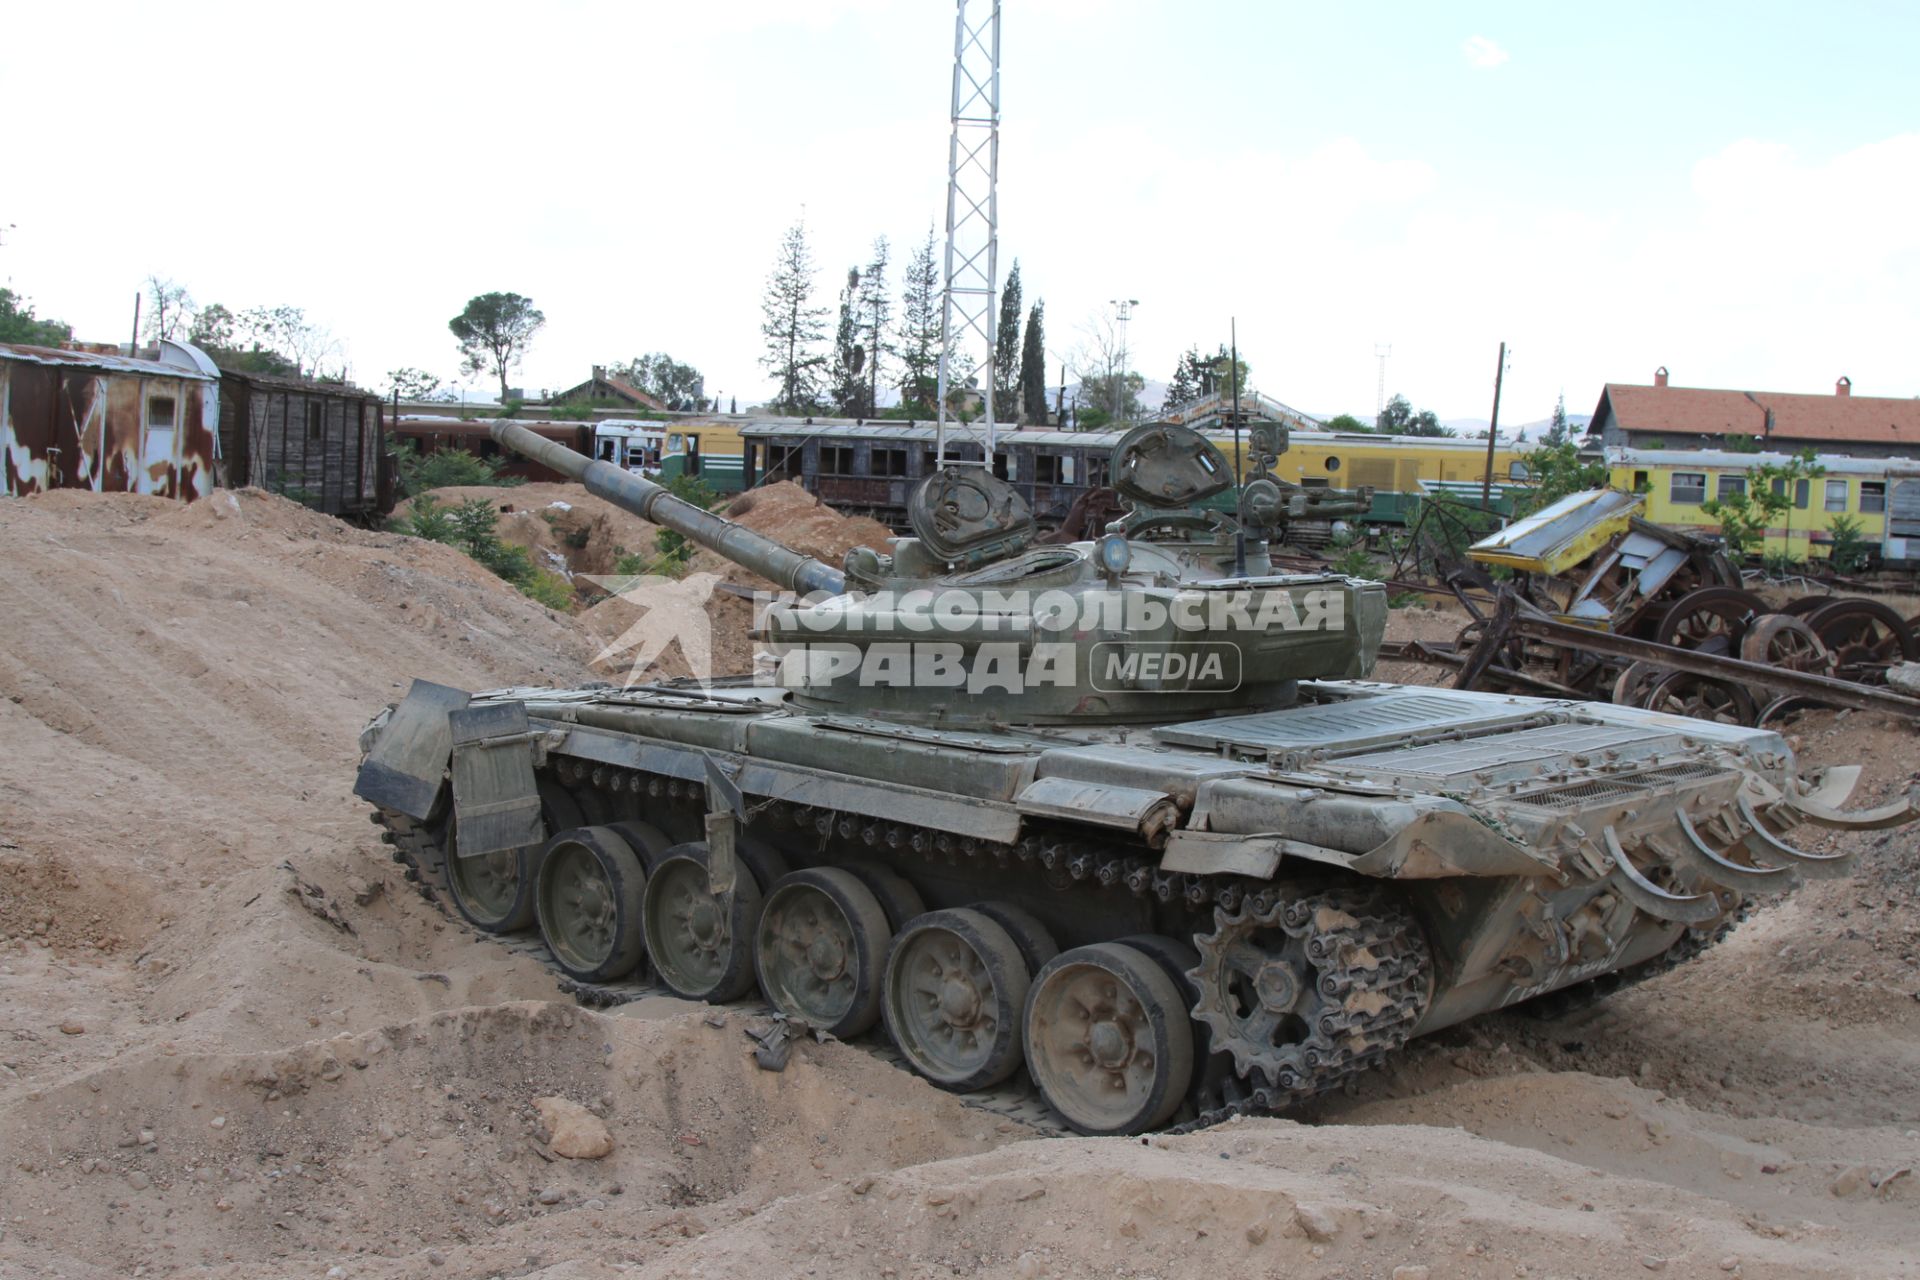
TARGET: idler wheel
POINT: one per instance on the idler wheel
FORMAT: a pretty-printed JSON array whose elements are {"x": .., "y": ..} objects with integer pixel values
[
  {"x": 590, "y": 889},
  {"x": 821, "y": 948},
  {"x": 495, "y": 891},
  {"x": 701, "y": 946},
  {"x": 1108, "y": 1040},
  {"x": 956, "y": 989}
]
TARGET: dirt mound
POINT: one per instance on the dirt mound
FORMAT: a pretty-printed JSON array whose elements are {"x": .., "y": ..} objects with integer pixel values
[
  {"x": 567, "y": 529},
  {"x": 789, "y": 514}
]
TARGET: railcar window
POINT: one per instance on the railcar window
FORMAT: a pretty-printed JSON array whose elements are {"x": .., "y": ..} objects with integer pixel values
[
  {"x": 889, "y": 462},
  {"x": 1836, "y": 495},
  {"x": 1873, "y": 497},
  {"x": 160, "y": 410},
  {"x": 1731, "y": 487},
  {"x": 1046, "y": 469},
  {"x": 1333, "y": 463},
  {"x": 836, "y": 460},
  {"x": 1517, "y": 470},
  {"x": 1096, "y": 471},
  {"x": 1689, "y": 488}
]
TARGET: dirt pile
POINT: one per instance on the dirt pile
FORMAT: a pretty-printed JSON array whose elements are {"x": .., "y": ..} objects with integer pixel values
[
  {"x": 567, "y": 529},
  {"x": 234, "y": 1042},
  {"x": 720, "y": 589}
]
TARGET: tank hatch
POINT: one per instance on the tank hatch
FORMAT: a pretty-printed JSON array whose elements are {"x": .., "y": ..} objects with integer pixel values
[
  {"x": 1163, "y": 465},
  {"x": 1351, "y": 722},
  {"x": 969, "y": 515}
]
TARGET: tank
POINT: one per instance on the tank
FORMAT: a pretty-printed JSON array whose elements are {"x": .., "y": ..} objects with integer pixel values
[{"x": 1122, "y": 818}]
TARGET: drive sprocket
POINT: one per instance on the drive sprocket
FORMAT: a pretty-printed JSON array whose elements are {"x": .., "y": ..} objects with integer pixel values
[{"x": 1304, "y": 989}]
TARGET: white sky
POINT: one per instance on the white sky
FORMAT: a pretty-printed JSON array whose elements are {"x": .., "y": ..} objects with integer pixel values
[{"x": 1732, "y": 190}]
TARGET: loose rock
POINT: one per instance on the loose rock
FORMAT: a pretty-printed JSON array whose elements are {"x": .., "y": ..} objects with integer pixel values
[{"x": 578, "y": 1134}]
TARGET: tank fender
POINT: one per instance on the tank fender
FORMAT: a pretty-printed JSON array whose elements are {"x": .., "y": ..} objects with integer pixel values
[
  {"x": 1436, "y": 844},
  {"x": 407, "y": 765},
  {"x": 1379, "y": 831},
  {"x": 1150, "y": 814},
  {"x": 1451, "y": 842}
]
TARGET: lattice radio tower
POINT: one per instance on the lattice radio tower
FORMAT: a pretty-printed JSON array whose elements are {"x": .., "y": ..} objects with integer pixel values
[
  {"x": 1381, "y": 350},
  {"x": 968, "y": 310}
]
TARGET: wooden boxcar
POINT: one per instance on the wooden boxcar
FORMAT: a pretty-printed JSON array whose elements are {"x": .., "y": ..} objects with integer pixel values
[{"x": 321, "y": 444}]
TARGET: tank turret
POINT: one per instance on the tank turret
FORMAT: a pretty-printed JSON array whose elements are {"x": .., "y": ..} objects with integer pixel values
[{"x": 1175, "y": 610}]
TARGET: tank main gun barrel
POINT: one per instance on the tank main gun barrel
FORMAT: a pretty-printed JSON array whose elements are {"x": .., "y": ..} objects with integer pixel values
[{"x": 655, "y": 504}]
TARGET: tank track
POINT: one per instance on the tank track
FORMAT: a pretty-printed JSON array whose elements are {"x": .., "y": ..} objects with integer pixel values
[
  {"x": 1337, "y": 1053},
  {"x": 1584, "y": 995}
]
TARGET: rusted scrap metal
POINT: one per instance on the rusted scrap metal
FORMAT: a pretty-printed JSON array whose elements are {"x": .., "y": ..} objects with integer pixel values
[
  {"x": 1513, "y": 622},
  {"x": 1788, "y": 683}
]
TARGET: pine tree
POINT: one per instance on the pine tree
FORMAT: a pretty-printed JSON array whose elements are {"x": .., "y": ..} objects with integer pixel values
[
  {"x": 919, "y": 335},
  {"x": 1185, "y": 387},
  {"x": 1033, "y": 367},
  {"x": 1558, "y": 432},
  {"x": 791, "y": 327},
  {"x": 1006, "y": 348},
  {"x": 849, "y": 390},
  {"x": 876, "y": 310}
]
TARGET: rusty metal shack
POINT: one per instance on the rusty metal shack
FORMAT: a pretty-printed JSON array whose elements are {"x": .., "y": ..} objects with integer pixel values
[
  {"x": 76, "y": 419},
  {"x": 318, "y": 443}
]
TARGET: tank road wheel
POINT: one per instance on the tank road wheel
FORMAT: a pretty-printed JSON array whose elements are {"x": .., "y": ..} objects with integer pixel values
[
  {"x": 1211, "y": 1071},
  {"x": 1108, "y": 1040},
  {"x": 648, "y": 842},
  {"x": 821, "y": 950},
  {"x": 1033, "y": 938},
  {"x": 590, "y": 888},
  {"x": 898, "y": 898},
  {"x": 701, "y": 947},
  {"x": 956, "y": 991},
  {"x": 495, "y": 891}
]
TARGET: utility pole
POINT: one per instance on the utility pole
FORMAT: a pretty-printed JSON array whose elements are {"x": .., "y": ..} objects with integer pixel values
[
  {"x": 967, "y": 307},
  {"x": 1493, "y": 431},
  {"x": 1381, "y": 350},
  {"x": 1118, "y": 390}
]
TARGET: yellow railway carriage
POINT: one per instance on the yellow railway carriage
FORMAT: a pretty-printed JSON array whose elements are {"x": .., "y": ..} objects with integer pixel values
[{"x": 1882, "y": 494}]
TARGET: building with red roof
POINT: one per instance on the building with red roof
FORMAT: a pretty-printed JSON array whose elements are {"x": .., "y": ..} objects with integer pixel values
[{"x": 1668, "y": 417}]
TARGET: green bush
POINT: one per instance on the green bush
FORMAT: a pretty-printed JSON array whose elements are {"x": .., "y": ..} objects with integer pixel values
[
  {"x": 674, "y": 548},
  {"x": 473, "y": 527},
  {"x": 549, "y": 589},
  {"x": 1850, "y": 550},
  {"x": 576, "y": 412},
  {"x": 446, "y": 468}
]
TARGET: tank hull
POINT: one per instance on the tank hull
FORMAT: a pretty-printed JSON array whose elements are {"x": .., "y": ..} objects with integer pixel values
[{"x": 1333, "y": 877}]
